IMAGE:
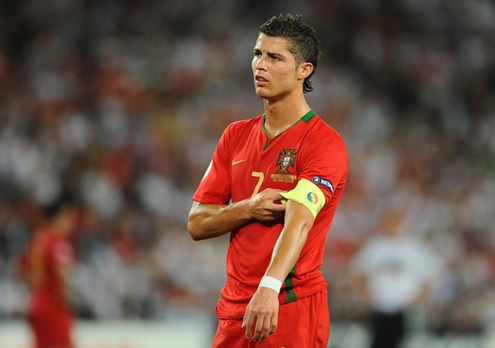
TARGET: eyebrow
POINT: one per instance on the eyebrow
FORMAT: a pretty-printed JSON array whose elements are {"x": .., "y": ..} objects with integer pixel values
[{"x": 269, "y": 53}]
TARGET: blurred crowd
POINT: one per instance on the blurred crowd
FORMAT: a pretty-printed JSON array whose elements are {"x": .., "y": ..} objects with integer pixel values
[{"x": 120, "y": 103}]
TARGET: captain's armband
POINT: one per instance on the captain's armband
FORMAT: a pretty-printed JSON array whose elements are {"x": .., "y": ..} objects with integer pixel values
[{"x": 307, "y": 194}]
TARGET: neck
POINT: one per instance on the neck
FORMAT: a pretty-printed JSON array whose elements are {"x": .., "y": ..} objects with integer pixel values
[{"x": 279, "y": 116}]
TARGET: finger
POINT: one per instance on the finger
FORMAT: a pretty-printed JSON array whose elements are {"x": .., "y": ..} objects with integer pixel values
[
  {"x": 271, "y": 217},
  {"x": 276, "y": 207},
  {"x": 274, "y": 323},
  {"x": 280, "y": 197},
  {"x": 244, "y": 319},
  {"x": 248, "y": 323},
  {"x": 258, "y": 328},
  {"x": 266, "y": 328}
]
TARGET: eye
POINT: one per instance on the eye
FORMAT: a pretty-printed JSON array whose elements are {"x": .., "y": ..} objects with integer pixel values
[{"x": 257, "y": 53}]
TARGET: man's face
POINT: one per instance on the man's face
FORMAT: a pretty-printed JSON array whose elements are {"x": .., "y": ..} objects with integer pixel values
[{"x": 274, "y": 68}]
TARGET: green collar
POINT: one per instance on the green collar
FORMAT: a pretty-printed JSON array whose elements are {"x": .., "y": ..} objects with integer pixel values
[{"x": 308, "y": 116}]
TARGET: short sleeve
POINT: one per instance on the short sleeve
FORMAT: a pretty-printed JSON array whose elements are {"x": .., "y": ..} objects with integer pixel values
[
  {"x": 214, "y": 187},
  {"x": 325, "y": 162},
  {"x": 62, "y": 253}
]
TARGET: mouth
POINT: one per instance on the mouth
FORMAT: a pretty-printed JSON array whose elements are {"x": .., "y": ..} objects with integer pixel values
[{"x": 260, "y": 81}]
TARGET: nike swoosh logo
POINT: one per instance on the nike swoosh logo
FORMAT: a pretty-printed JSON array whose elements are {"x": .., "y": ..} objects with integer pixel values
[{"x": 237, "y": 162}]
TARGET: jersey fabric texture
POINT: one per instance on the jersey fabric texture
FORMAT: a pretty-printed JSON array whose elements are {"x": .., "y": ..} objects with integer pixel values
[{"x": 246, "y": 162}]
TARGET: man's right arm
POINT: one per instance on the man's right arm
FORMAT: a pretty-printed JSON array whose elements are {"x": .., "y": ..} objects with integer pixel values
[{"x": 213, "y": 220}]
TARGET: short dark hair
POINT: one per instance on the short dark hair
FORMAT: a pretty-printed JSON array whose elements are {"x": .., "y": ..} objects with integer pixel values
[{"x": 304, "y": 44}]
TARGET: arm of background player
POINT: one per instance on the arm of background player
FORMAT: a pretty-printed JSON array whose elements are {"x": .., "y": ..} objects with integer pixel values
[
  {"x": 212, "y": 220},
  {"x": 63, "y": 274},
  {"x": 262, "y": 312},
  {"x": 33, "y": 271},
  {"x": 62, "y": 256}
]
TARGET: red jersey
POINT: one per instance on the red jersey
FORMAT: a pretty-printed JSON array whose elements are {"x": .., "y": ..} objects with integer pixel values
[
  {"x": 246, "y": 162},
  {"x": 48, "y": 313}
]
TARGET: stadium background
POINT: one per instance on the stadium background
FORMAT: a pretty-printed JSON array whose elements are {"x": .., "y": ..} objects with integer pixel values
[{"x": 121, "y": 102}]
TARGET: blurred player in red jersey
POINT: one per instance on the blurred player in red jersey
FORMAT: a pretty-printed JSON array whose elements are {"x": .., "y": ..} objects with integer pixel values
[
  {"x": 46, "y": 266},
  {"x": 274, "y": 183}
]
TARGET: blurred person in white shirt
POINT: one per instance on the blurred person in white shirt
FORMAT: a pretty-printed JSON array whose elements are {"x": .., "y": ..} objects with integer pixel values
[{"x": 393, "y": 272}]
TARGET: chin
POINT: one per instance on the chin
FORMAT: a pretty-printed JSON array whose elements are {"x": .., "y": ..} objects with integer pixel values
[{"x": 262, "y": 94}]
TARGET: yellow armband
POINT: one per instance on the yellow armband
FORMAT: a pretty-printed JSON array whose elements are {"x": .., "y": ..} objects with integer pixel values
[{"x": 307, "y": 194}]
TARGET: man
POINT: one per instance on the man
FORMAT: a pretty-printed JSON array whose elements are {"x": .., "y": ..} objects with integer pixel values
[
  {"x": 46, "y": 266},
  {"x": 274, "y": 183},
  {"x": 393, "y": 272}
]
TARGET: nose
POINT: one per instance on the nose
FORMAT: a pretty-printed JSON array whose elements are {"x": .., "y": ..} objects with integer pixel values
[{"x": 259, "y": 63}]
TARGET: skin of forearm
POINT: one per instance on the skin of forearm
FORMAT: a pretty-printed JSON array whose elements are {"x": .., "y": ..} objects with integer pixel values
[
  {"x": 64, "y": 274},
  {"x": 298, "y": 223},
  {"x": 213, "y": 220},
  {"x": 35, "y": 273}
]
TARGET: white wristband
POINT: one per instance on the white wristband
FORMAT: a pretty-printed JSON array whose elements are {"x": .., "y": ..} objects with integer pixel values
[{"x": 270, "y": 282}]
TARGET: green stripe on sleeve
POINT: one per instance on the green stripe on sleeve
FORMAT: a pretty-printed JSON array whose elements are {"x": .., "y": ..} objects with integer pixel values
[{"x": 289, "y": 287}]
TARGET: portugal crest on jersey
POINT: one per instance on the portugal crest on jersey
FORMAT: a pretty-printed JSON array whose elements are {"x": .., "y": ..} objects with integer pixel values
[{"x": 286, "y": 159}]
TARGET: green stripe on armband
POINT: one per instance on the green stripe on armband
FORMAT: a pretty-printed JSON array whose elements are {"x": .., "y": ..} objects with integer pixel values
[{"x": 307, "y": 194}]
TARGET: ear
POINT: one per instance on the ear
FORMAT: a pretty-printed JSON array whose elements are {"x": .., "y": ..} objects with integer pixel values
[{"x": 304, "y": 70}]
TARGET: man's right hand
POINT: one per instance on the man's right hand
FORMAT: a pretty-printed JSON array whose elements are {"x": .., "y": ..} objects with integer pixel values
[
  {"x": 212, "y": 220},
  {"x": 265, "y": 205}
]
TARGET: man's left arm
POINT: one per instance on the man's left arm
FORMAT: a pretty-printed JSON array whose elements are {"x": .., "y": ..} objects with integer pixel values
[
  {"x": 319, "y": 179},
  {"x": 261, "y": 314}
]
